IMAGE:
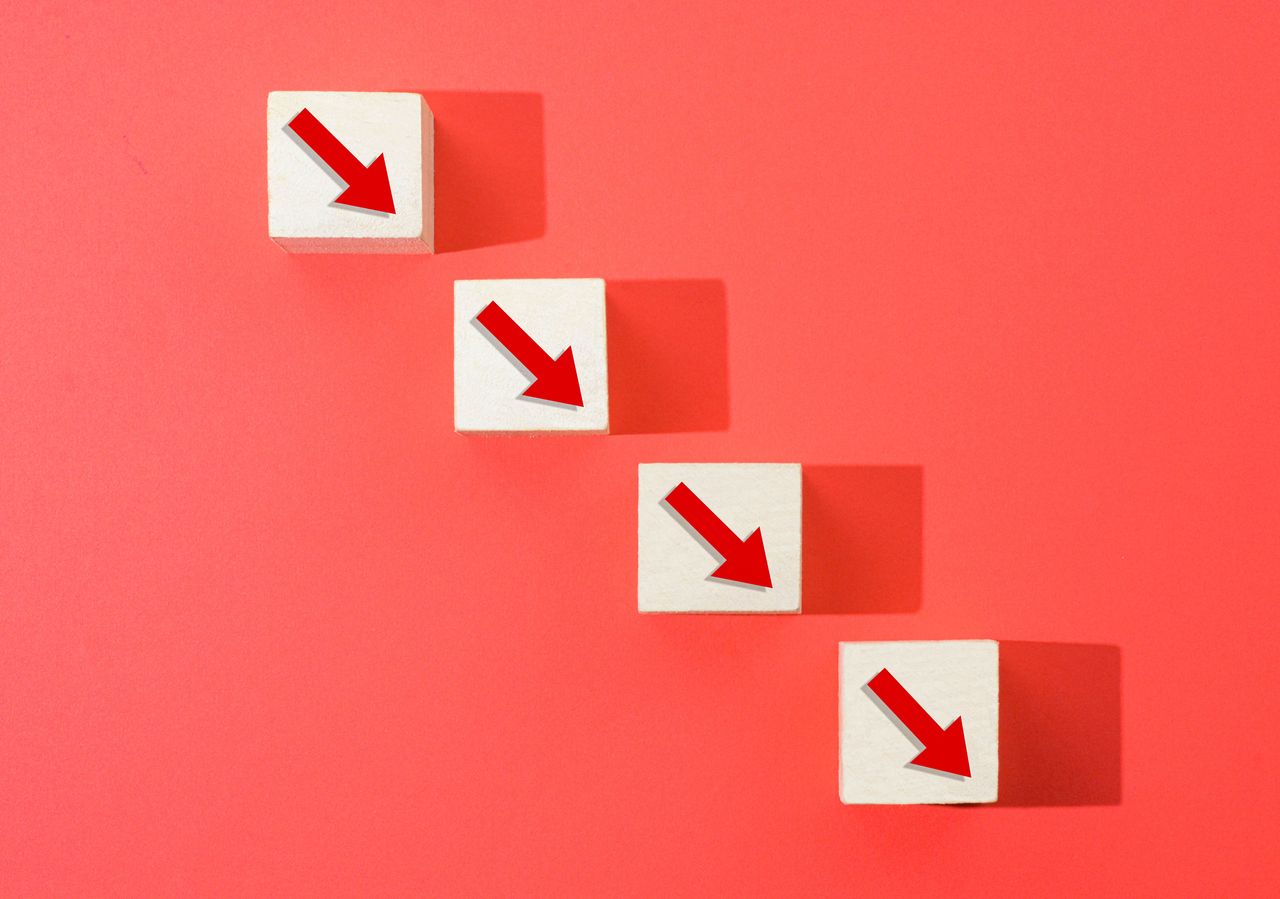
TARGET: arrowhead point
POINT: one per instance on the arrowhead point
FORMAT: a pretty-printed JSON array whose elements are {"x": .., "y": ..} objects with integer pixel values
[
  {"x": 748, "y": 563},
  {"x": 558, "y": 383},
  {"x": 370, "y": 190},
  {"x": 947, "y": 752}
]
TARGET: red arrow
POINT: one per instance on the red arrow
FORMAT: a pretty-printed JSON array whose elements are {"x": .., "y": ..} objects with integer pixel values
[
  {"x": 553, "y": 379},
  {"x": 744, "y": 560},
  {"x": 367, "y": 188},
  {"x": 944, "y": 750}
]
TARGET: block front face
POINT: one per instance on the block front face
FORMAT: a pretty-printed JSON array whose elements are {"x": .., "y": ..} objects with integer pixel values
[
  {"x": 307, "y": 173},
  {"x": 938, "y": 682},
  {"x": 689, "y": 535},
  {"x": 512, "y": 341}
]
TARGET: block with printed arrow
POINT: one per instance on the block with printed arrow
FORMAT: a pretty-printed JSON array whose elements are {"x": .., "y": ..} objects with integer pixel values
[
  {"x": 350, "y": 172},
  {"x": 719, "y": 537},
  {"x": 530, "y": 356},
  {"x": 919, "y": 722}
]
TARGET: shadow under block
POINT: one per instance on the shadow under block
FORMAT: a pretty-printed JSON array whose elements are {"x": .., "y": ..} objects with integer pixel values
[
  {"x": 504, "y": 357},
  {"x": 948, "y": 679},
  {"x": 302, "y": 214},
  {"x": 678, "y": 560}
]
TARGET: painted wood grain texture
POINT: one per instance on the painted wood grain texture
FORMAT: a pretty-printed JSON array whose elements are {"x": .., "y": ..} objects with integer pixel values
[
  {"x": 950, "y": 679},
  {"x": 488, "y": 382},
  {"x": 302, "y": 216},
  {"x": 675, "y": 566}
]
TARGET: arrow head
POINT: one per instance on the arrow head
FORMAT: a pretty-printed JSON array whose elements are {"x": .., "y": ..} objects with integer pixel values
[
  {"x": 946, "y": 752},
  {"x": 370, "y": 189},
  {"x": 747, "y": 564},
  {"x": 558, "y": 382}
]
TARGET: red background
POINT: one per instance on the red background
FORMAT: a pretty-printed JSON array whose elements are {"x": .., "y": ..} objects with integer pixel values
[{"x": 1005, "y": 278}]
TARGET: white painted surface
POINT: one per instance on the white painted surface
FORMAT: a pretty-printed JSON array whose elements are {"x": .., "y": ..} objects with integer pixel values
[
  {"x": 675, "y": 567},
  {"x": 950, "y": 679},
  {"x": 487, "y": 383},
  {"x": 302, "y": 216}
]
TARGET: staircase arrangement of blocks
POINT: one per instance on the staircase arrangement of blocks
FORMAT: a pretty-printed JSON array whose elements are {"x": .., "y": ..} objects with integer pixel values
[{"x": 352, "y": 172}]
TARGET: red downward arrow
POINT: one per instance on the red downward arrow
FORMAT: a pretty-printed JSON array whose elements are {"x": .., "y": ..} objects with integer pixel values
[
  {"x": 367, "y": 188},
  {"x": 553, "y": 379},
  {"x": 944, "y": 750},
  {"x": 744, "y": 560}
]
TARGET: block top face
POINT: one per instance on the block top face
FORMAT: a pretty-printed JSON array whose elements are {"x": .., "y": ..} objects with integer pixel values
[
  {"x": 530, "y": 355},
  {"x": 699, "y": 550},
  {"x": 303, "y": 185},
  {"x": 931, "y": 684}
]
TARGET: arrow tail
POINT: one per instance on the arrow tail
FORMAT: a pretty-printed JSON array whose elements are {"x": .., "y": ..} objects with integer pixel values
[
  {"x": 700, "y": 517},
  {"x": 332, "y": 152},
  {"x": 904, "y": 706},
  {"x": 512, "y": 337}
]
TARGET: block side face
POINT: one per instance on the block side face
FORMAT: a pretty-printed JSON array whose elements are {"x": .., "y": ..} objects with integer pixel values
[
  {"x": 301, "y": 190},
  {"x": 993, "y": 664},
  {"x": 558, "y": 314},
  {"x": 314, "y": 245},
  {"x": 428, "y": 175},
  {"x": 950, "y": 679},
  {"x": 845, "y": 796},
  {"x": 675, "y": 566}
]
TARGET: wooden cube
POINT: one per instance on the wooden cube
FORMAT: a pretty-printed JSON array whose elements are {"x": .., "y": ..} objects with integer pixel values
[
  {"x": 530, "y": 356},
  {"x": 350, "y": 172},
  {"x": 919, "y": 722},
  {"x": 719, "y": 537}
]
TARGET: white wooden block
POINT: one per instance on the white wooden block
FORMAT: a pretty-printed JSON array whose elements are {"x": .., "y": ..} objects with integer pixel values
[
  {"x": 303, "y": 212},
  {"x": 550, "y": 375},
  {"x": 689, "y": 563},
  {"x": 889, "y": 754}
]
